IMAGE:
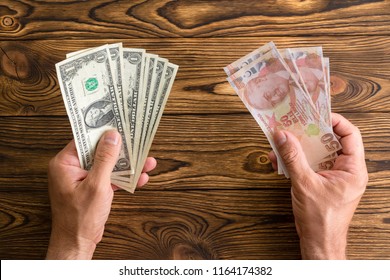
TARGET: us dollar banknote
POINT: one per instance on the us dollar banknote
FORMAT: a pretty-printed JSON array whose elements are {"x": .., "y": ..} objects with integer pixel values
[
  {"x": 133, "y": 72},
  {"x": 115, "y": 87},
  {"x": 91, "y": 100},
  {"x": 149, "y": 78},
  {"x": 150, "y": 100},
  {"x": 160, "y": 101}
]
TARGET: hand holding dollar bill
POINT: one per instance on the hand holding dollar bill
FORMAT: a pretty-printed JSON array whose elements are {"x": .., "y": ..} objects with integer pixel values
[
  {"x": 289, "y": 90},
  {"x": 112, "y": 87}
]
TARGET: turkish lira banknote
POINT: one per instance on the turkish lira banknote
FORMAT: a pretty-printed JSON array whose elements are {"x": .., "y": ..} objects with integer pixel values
[{"x": 275, "y": 92}]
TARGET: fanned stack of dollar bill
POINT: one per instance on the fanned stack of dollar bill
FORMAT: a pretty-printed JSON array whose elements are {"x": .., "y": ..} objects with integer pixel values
[
  {"x": 289, "y": 90},
  {"x": 112, "y": 87}
]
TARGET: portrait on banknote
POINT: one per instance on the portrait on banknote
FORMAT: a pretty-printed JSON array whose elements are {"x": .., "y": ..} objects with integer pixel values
[
  {"x": 311, "y": 68},
  {"x": 270, "y": 86},
  {"x": 98, "y": 114}
]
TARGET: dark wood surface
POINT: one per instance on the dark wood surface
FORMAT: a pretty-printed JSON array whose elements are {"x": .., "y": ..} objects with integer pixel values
[{"x": 214, "y": 194}]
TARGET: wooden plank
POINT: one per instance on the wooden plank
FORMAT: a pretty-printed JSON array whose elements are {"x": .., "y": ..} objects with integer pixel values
[
  {"x": 142, "y": 19},
  {"x": 359, "y": 66},
  {"x": 214, "y": 194},
  {"x": 216, "y": 224},
  {"x": 25, "y": 223},
  {"x": 193, "y": 151}
]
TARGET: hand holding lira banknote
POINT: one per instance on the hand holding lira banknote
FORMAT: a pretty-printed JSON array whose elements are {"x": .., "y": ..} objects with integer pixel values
[
  {"x": 111, "y": 87},
  {"x": 289, "y": 90}
]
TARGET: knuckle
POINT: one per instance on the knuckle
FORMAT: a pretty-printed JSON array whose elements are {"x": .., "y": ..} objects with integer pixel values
[
  {"x": 363, "y": 182},
  {"x": 365, "y": 178},
  {"x": 357, "y": 132},
  {"x": 53, "y": 163},
  {"x": 356, "y": 129}
]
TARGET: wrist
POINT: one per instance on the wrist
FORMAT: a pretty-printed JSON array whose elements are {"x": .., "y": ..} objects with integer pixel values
[
  {"x": 67, "y": 247},
  {"x": 325, "y": 250}
]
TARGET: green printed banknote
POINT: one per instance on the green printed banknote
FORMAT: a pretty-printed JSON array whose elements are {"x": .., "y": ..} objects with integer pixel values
[{"x": 112, "y": 87}]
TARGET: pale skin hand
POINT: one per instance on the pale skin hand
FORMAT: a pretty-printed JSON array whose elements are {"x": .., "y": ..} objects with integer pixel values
[
  {"x": 81, "y": 200},
  {"x": 324, "y": 202}
]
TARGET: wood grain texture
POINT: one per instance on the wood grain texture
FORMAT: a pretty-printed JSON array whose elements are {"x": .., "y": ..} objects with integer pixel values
[
  {"x": 231, "y": 151},
  {"x": 359, "y": 68},
  {"x": 214, "y": 194},
  {"x": 225, "y": 201},
  {"x": 214, "y": 224},
  {"x": 145, "y": 19}
]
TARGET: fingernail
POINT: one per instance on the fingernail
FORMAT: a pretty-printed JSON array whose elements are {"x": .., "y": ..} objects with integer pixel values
[
  {"x": 280, "y": 138},
  {"x": 111, "y": 137}
]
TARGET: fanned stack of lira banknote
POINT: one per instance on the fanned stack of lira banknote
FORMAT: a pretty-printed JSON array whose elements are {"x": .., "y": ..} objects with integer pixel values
[
  {"x": 289, "y": 89},
  {"x": 112, "y": 87}
]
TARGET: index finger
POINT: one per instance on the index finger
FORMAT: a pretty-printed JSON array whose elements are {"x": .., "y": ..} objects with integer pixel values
[
  {"x": 68, "y": 155},
  {"x": 150, "y": 164},
  {"x": 351, "y": 139}
]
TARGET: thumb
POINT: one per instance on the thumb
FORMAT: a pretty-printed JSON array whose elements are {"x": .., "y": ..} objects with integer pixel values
[
  {"x": 106, "y": 156},
  {"x": 290, "y": 150}
]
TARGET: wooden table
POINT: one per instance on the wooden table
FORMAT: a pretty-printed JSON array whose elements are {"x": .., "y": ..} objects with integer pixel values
[{"x": 214, "y": 194}]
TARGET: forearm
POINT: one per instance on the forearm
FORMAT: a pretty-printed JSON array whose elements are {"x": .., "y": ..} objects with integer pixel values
[
  {"x": 62, "y": 247},
  {"x": 328, "y": 250}
]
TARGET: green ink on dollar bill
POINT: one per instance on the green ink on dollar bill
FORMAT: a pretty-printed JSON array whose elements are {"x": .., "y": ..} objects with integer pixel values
[{"x": 91, "y": 84}]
